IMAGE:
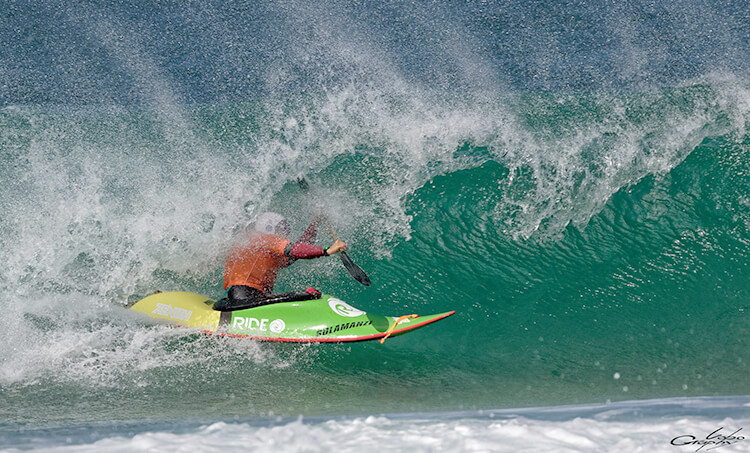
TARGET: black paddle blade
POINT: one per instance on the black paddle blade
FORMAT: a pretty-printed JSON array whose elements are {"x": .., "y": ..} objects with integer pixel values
[
  {"x": 355, "y": 270},
  {"x": 303, "y": 185}
]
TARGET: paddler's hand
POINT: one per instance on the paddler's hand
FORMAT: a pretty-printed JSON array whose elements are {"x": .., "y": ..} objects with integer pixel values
[{"x": 337, "y": 247}]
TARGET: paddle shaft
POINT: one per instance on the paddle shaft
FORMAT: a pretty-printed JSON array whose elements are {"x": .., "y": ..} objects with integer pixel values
[
  {"x": 330, "y": 230},
  {"x": 306, "y": 188},
  {"x": 354, "y": 270}
]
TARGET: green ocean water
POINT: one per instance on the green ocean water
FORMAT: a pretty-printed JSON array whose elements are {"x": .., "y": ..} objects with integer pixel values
[
  {"x": 597, "y": 250},
  {"x": 572, "y": 178}
]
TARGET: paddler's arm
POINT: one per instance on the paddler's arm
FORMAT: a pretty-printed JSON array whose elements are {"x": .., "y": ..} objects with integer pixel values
[{"x": 299, "y": 250}]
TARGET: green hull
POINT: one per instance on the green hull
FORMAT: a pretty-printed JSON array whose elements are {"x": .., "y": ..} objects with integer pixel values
[{"x": 327, "y": 319}]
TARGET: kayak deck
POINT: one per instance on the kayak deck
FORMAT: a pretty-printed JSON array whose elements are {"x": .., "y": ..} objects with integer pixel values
[{"x": 324, "y": 320}]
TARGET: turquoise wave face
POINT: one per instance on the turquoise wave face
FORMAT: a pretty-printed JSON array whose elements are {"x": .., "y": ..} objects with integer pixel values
[{"x": 649, "y": 299}]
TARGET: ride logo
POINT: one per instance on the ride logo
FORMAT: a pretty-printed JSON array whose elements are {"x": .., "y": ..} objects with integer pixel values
[
  {"x": 264, "y": 325},
  {"x": 340, "y": 327}
]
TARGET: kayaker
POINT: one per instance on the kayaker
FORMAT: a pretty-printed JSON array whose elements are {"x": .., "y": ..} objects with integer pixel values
[{"x": 252, "y": 267}]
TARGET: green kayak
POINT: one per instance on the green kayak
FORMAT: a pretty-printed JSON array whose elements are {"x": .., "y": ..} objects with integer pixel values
[{"x": 326, "y": 319}]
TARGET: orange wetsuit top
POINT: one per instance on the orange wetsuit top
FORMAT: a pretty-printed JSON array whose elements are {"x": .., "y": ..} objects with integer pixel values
[{"x": 257, "y": 262}]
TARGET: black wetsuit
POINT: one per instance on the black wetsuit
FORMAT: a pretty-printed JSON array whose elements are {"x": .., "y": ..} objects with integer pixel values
[{"x": 241, "y": 297}]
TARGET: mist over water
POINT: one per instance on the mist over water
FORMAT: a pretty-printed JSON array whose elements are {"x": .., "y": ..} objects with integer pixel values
[{"x": 571, "y": 178}]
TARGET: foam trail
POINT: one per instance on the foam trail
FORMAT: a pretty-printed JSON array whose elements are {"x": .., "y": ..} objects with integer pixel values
[{"x": 617, "y": 428}]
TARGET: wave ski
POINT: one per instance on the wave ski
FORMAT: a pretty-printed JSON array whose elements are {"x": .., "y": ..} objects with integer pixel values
[{"x": 323, "y": 320}]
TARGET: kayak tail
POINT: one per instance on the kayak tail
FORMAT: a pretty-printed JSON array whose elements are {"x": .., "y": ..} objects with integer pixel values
[{"x": 183, "y": 308}]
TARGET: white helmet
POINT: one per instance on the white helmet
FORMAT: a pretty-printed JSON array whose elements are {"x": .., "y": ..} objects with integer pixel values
[{"x": 272, "y": 223}]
